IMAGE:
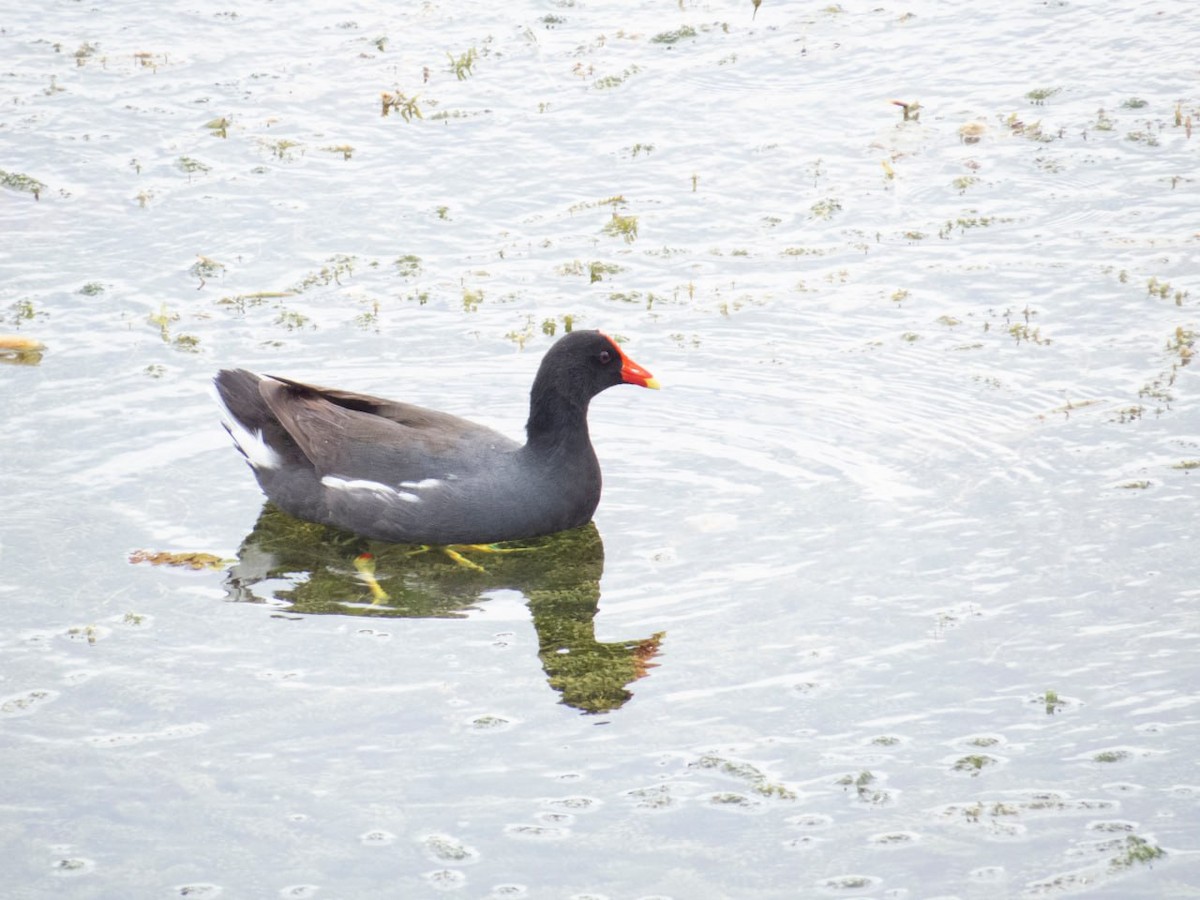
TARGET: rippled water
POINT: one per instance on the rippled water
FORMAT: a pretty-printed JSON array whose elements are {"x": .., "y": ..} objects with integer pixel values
[{"x": 893, "y": 588}]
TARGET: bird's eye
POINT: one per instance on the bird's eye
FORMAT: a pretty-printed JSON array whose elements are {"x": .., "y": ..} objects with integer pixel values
[{"x": 605, "y": 357}]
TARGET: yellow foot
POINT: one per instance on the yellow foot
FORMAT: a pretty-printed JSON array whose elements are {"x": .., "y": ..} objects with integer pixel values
[
  {"x": 365, "y": 563},
  {"x": 456, "y": 551}
]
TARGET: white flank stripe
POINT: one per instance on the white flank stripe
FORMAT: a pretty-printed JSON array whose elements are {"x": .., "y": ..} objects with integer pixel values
[
  {"x": 363, "y": 484},
  {"x": 424, "y": 483}
]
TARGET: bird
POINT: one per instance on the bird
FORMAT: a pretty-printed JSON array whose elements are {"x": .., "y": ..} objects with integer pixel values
[{"x": 397, "y": 472}]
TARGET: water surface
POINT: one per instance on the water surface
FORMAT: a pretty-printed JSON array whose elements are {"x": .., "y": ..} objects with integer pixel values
[{"x": 892, "y": 589}]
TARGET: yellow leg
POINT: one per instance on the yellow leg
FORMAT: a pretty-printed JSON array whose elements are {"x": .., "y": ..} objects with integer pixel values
[
  {"x": 456, "y": 552},
  {"x": 365, "y": 563}
]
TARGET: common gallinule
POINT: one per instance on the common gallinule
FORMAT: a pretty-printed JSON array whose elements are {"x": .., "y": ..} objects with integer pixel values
[{"x": 397, "y": 472}]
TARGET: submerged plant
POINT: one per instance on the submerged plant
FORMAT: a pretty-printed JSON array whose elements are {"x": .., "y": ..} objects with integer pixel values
[
  {"x": 674, "y": 37},
  {"x": 17, "y": 181},
  {"x": 625, "y": 227},
  {"x": 403, "y": 104},
  {"x": 462, "y": 65},
  {"x": 1039, "y": 96},
  {"x": 1137, "y": 851}
]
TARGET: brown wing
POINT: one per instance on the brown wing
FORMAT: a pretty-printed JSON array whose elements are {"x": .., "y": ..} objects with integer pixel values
[{"x": 359, "y": 436}]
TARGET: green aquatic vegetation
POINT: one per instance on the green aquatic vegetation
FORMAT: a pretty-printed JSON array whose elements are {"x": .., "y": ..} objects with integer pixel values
[
  {"x": 910, "y": 337},
  {"x": 624, "y": 227},
  {"x": 18, "y": 181},
  {"x": 848, "y": 882},
  {"x": 1103, "y": 121},
  {"x": 187, "y": 343},
  {"x": 1031, "y": 130},
  {"x": 447, "y": 114},
  {"x": 1147, "y": 137},
  {"x": 133, "y": 618},
  {"x": 1137, "y": 851},
  {"x": 825, "y": 209},
  {"x": 148, "y": 60},
  {"x": 864, "y": 789},
  {"x": 611, "y": 81},
  {"x": 1135, "y": 103},
  {"x": 885, "y": 740},
  {"x": 471, "y": 299},
  {"x": 345, "y": 149},
  {"x": 331, "y": 273},
  {"x": 802, "y": 251},
  {"x": 653, "y": 798},
  {"x": 1038, "y": 96},
  {"x": 1164, "y": 290},
  {"x": 674, "y": 37},
  {"x": 92, "y": 289},
  {"x": 984, "y": 741},
  {"x": 281, "y": 148},
  {"x": 408, "y": 266},
  {"x": 219, "y": 127},
  {"x": 626, "y": 296},
  {"x": 639, "y": 148},
  {"x": 1051, "y": 700},
  {"x": 962, "y": 182},
  {"x": 401, "y": 103},
  {"x": 85, "y": 52},
  {"x": 728, "y": 798},
  {"x": 258, "y": 298},
  {"x": 447, "y": 849},
  {"x": 744, "y": 772},
  {"x": 1021, "y": 331},
  {"x": 292, "y": 320},
  {"x": 369, "y": 318},
  {"x": 23, "y": 702},
  {"x": 550, "y": 326},
  {"x": 205, "y": 268},
  {"x": 614, "y": 201},
  {"x": 489, "y": 722},
  {"x": 948, "y": 321},
  {"x": 88, "y": 633},
  {"x": 1111, "y": 756},
  {"x": 463, "y": 64},
  {"x": 190, "y": 166},
  {"x": 962, "y": 223},
  {"x": 523, "y": 334},
  {"x": 597, "y": 270},
  {"x": 1181, "y": 343},
  {"x": 974, "y": 764},
  {"x": 1187, "y": 465},
  {"x": 1134, "y": 485}
]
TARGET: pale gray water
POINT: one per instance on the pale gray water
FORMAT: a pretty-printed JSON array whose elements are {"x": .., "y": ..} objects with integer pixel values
[{"x": 925, "y": 450}]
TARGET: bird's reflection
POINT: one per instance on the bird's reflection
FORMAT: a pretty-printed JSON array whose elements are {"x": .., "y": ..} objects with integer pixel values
[{"x": 316, "y": 569}]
